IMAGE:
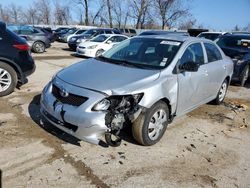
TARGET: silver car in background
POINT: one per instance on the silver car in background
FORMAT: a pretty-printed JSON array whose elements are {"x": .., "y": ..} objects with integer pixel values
[{"x": 145, "y": 81}]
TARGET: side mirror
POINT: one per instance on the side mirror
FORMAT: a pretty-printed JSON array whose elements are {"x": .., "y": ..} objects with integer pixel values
[
  {"x": 109, "y": 42},
  {"x": 189, "y": 66}
]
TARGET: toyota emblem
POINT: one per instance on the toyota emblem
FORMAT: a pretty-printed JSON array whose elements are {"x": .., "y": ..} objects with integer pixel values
[{"x": 64, "y": 93}]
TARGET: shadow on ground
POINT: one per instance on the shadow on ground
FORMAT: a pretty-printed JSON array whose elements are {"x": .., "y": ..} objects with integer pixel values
[{"x": 34, "y": 111}]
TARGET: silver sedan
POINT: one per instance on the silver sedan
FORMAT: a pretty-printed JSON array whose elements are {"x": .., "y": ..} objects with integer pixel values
[{"x": 144, "y": 82}]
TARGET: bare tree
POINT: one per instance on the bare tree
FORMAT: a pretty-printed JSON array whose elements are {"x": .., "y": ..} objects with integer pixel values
[
  {"x": 62, "y": 13},
  {"x": 44, "y": 10},
  {"x": 109, "y": 7},
  {"x": 4, "y": 14},
  {"x": 187, "y": 24},
  {"x": 120, "y": 13},
  {"x": 139, "y": 11},
  {"x": 15, "y": 13},
  {"x": 85, "y": 5},
  {"x": 247, "y": 28},
  {"x": 170, "y": 11},
  {"x": 31, "y": 16}
]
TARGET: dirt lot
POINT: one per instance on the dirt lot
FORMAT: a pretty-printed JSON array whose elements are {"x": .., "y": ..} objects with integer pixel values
[{"x": 208, "y": 147}]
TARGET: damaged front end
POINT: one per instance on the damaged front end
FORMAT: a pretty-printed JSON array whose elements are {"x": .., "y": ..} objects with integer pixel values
[{"x": 119, "y": 109}]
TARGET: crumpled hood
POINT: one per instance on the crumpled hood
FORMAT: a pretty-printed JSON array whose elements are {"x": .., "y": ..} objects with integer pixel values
[{"x": 106, "y": 77}]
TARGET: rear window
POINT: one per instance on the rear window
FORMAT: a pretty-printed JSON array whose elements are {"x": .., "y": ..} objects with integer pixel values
[
  {"x": 213, "y": 53},
  {"x": 210, "y": 36},
  {"x": 235, "y": 42}
]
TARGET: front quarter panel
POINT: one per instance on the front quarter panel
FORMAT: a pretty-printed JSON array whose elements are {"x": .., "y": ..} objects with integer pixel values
[{"x": 165, "y": 87}]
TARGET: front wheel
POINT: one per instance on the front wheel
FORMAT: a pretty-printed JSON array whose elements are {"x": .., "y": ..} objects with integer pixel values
[
  {"x": 244, "y": 75},
  {"x": 221, "y": 94},
  {"x": 99, "y": 52},
  {"x": 149, "y": 128}
]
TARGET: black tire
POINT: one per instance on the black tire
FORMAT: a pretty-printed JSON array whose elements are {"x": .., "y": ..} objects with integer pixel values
[
  {"x": 244, "y": 75},
  {"x": 38, "y": 47},
  {"x": 140, "y": 127},
  {"x": 11, "y": 75},
  {"x": 99, "y": 52},
  {"x": 218, "y": 100}
]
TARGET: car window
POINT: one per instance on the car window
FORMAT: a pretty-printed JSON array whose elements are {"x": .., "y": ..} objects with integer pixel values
[
  {"x": 80, "y": 32},
  {"x": 13, "y": 28},
  {"x": 26, "y": 30},
  {"x": 116, "y": 32},
  {"x": 108, "y": 32},
  {"x": 213, "y": 53},
  {"x": 126, "y": 31},
  {"x": 121, "y": 38},
  {"x": 193, "y": 53},
  {"x": 99, "y": 38},
  {"x": 132, "y": 31},
  {"x": 210, "y": 36},
  {"x": 113, "y": 39}
]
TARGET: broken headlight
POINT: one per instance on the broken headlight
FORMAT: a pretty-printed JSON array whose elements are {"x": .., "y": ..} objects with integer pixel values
[{"x": 120, "y": 103}]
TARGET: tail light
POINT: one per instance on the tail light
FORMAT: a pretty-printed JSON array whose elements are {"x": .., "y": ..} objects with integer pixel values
[{"x": 22, "y": 47}]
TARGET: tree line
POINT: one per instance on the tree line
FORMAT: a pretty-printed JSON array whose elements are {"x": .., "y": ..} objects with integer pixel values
[{"x": 141, "y": 14}]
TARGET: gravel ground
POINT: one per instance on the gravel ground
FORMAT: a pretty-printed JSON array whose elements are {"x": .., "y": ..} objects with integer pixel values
[{"x": 208, "y": 147}]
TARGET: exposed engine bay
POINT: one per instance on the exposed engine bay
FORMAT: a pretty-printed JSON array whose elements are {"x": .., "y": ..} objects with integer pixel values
[{"x": 122, "y": 109}]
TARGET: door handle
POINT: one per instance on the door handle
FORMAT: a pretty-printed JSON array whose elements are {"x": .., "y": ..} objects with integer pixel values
[{"x": 206, "y": 73}]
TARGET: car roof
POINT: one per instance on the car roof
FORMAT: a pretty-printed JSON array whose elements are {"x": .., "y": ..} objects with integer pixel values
[
  {"x": 240, "y": 35},
  {"x": 175, "y": 37},
  {"x": 111, "y": 35},
  {"x": 212, "y": 32}
]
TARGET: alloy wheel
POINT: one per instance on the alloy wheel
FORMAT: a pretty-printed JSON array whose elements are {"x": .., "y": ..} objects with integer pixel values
[{"x": 5, "y": 80}]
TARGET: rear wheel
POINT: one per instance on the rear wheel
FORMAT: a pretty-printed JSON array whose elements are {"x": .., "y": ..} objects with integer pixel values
[
  {"x": 244, "y": 75},
  {"x": 8, "y": 79},
  {"x": 38, "y": 47},
  {"x": 149, "y": 128},
  {"x": 221, "y": 94}
]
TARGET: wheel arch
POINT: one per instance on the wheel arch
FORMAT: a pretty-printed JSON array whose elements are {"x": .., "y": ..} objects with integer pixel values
[{"x": 15, "y": 67}]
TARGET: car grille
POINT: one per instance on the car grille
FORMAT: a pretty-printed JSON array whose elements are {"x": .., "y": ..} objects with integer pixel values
[
  {"x": 56, "y": 121},
  {"x": 81, "y": 47},
  {"x": 71, "y": 99}
]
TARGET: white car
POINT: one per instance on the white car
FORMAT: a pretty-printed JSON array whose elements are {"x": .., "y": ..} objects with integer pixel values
[
  {"x": 101, "y": 43},
  {"x": 211, "y": 35}
]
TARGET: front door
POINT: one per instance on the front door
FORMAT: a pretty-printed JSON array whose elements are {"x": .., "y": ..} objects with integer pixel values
[{"x": 192, "y": 85}]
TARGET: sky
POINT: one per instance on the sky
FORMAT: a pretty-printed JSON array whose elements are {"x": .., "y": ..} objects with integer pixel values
[{"x": 220, "y": 15}]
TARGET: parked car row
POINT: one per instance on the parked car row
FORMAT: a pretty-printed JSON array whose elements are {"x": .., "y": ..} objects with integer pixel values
[{"x": 145, "y": 81}]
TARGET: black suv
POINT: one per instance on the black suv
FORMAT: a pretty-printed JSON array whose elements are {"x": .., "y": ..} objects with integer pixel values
[
  {"x": 89, "y": 34},
  {"x": 237, "y": 46},
  {"x": 16, "y": 62}
]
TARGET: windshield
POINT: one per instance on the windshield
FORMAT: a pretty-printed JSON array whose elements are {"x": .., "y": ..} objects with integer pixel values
[
  {"x": 99, "y": 38},
  {"x": 210, "y": 36},
  {"x": 144, "y": 52},
  {"x": 90, "y": 32},
  {"x": 71, "y": 31}
]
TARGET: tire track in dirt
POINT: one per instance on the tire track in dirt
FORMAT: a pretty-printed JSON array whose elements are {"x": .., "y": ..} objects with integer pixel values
[{"x": 49, "y": 140}]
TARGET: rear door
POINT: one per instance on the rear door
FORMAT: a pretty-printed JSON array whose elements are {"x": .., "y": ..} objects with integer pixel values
[
  {"x": 192, "y": 86},
  {"x": 216, "y": 69}
]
